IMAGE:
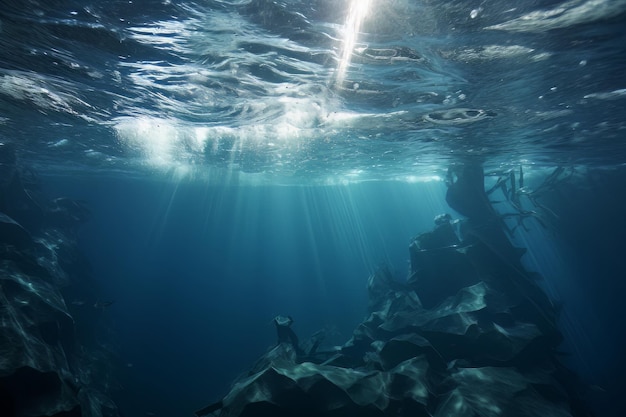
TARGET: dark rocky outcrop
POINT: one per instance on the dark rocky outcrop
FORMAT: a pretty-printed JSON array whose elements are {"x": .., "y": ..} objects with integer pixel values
[
  {"x": 42, "y": 373},
  {"x": 468, "y": 334}
]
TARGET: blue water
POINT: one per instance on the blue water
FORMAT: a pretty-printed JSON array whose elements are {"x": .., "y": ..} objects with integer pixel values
[
  {"x": 244, "y": 159},
  {"x": 197, "y": 273}
]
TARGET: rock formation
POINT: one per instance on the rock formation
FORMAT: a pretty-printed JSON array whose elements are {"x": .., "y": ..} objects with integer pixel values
[
  {"x": 42, "y": 370},
  {"x": 469, "y": 333}
]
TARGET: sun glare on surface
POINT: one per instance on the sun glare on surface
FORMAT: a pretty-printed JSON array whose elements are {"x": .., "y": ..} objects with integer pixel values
[{"x": 358, "y": 11}]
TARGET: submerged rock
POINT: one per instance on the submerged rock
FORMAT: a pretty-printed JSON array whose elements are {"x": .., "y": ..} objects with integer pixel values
[
  {"x": 286, "y": 387},
  {"x": 468, "y": 334},
  {"x": 470, "y": 355},
  {"x": 12, "y": 233},
  {"x": 497, "y": 391},
  {"x": 42, "y": 370}
]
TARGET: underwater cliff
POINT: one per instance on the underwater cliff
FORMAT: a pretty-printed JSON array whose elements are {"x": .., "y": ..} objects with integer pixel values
[{"x": 46, "y": 368}]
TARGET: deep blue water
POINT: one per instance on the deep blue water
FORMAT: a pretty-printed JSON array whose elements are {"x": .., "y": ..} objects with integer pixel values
[
  {"x": 245, "y": 159},
  {"x": 197, "y": 273}
]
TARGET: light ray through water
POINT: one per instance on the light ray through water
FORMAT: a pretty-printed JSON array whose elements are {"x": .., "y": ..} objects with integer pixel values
[{"x": 356, "y": 14}]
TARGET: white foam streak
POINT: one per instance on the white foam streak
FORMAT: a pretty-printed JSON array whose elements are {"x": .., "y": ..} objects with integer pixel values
[
  {"x": 157, "y": 138},
  {"x": 41, "y": 92},
  {"x": 612, "y": 95},
  {"x": 571, "y": 13}
]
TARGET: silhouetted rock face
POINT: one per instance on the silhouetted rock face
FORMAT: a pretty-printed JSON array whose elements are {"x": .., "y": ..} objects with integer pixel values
[
  {"x": 467, "y": 335},
  {"x": 13, "y": 233},
  {"x": 41, "y": 373}
]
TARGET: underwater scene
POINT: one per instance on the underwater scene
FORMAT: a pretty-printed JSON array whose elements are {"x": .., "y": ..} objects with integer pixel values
[{"x": 312, "y": 208}]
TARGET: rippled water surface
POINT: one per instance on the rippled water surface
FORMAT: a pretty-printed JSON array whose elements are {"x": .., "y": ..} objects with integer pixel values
[{"x": 311, "y": 91}]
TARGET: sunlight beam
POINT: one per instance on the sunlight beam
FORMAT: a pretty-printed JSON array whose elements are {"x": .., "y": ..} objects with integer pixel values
[{"x": 356, "y": 15}]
